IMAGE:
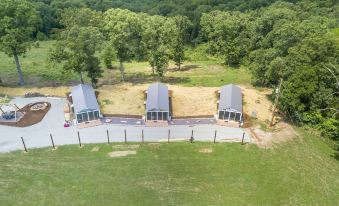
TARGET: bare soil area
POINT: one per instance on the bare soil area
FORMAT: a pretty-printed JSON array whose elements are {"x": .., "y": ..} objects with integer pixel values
[
  {"x": 281, "y": 132},
  {"x": 129, "y": 99},
  {"x": 30, "y": 117},
  {"x": 121, "y": 153}
]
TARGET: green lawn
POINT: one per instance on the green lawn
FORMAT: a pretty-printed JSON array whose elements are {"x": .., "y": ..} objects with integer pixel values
[
  {"x": 38, "y": 72},
  {"x": 302, "y": 172}
]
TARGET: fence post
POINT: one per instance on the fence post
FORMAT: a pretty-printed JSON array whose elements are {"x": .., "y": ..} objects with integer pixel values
[
  {"x": 107, "y": 136},
  {"x": 79, "y": 140},
  {"x": 243, "y": 136},
  {"x": 23, "y": 142},
  {"x": 52, "y": 141},
  {"x": 168, "y": 136},
  {"x": 215, "y": 136},
  {"x": 142, "y": 136},
  {"x": 125, "y": 137},
  {"x": 192, "y": 137}
]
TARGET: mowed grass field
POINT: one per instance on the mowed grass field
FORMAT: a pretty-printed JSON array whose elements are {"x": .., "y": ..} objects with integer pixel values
[
  {"x": 39, "y": 72},
  {"x": 300, "y": 172}
]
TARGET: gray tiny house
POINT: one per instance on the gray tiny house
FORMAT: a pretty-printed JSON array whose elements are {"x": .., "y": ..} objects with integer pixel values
[
  {"x": 84, "y": 103},
  {"x": 230, "y": 103},
  {"x": 157, "y": 103}
]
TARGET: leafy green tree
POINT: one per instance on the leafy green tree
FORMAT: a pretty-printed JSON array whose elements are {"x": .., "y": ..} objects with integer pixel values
[
  {"x": 76, "y": 49},
  {"x": 123, "y": 29},
  {"x": 158, "y": 38},
  {"x": 108, "y": 56},
  {"x": 228, "y": 35},
  {"x": 81, "y": 17},
  {"x": 183, "y": 24},
  {"x": 18, "y": 22}
]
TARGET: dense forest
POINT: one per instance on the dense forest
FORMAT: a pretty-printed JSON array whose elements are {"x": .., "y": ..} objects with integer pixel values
[{"x": 289, "y": 43}]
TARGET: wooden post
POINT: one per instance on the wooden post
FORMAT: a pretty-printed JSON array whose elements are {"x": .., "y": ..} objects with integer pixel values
[
  {"x": 243, "y": 136},
  {"x": 168, "y": 136},
  {"x": 142, "y": 136},
  {"x": 215, "y": 136},
  {"x": 79, "y": 139},
  {"x": 52, "y": 141},
  {"x": 125, "y": 137},
  {"x": 23, "y": 142},
  {"x": 276, "y": 101},
  {"x": 192, "y": 137},
  {"x": 107, "y": 136}
]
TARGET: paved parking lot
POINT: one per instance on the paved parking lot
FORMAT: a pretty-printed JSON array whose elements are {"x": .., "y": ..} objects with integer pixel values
[{"x": 38, "y": 135}]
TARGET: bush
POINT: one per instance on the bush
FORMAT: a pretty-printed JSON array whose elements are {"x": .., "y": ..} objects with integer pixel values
[
  {"x": 41, "y": 36},
  {"x": 330, "y": 128}
]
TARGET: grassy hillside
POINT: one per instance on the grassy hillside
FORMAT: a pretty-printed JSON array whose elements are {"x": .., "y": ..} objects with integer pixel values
[
  {"x": 38, "y": 72},
  {"x": 301, "y": 172}
]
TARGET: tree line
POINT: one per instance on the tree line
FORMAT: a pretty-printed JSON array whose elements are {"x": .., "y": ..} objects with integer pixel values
[
  {"x": 288, "y": 43},
  {"x": 285, "y": 42}
]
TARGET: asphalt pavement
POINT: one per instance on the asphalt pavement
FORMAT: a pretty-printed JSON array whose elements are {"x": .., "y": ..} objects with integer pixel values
[{"x": 38, "y": 135}]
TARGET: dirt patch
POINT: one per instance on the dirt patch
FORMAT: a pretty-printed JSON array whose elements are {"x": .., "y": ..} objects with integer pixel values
[
  {"x": 194, "y": 101},
  {"x": 128, "y": 99},
  {"x": 122, "y": 153},
  {"x": 205, "y": 150},
  {"x": 95, "y": 149},
  {"x": 47, "y": 91},
  {"x": 122, "y": 99},
  {"x": 124, "y": 147},
  {"x": 257, "y": 101},
  {"x": 282, "y": 132},
  {"x": 30, "y": 117}
]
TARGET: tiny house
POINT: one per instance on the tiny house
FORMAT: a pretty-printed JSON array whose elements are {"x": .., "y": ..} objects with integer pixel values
[
  {"x": 157, "y": 103},
  {"x": 230, "y": 103},
  {"x": 84, "y": 104}
]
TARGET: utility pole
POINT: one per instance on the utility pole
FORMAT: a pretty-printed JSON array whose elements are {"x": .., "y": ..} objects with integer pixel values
[{"x": 276, "y": 101}]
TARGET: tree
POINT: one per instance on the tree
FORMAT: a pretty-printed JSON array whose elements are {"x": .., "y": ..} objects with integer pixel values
[
  {"x": 123, "y": 29},
  {"x": 228, "y": 35},
  {"x": 183, "y": 24},
  {"x": 158, "y": 36},
  {"x": 82, "y": 17},
  {"x": 18, "y": 22},
  {"x": 76, "y": 48}
]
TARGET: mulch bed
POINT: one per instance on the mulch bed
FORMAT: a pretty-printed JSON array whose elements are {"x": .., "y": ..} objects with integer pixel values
[{"x": 30, "y": 117}]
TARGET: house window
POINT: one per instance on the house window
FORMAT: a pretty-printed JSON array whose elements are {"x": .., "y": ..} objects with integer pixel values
[
  {"x": 221, "y": 114},
  {"x": 237, "y": 117},
  {"x": 165, "y": 116},
  {"x": 149, "y": 116},
  {"x": 160, "y": 115},
  {"x": 91, "y": 116},
  {"x": 79, "y": 118},
  {"x": 154, "y": 115},
  {"x": 227, "y": 115},
  {"x": 232, "y": 116},
  {"x": 85, "y": 117},
  {"x": 96, "y": 114}
]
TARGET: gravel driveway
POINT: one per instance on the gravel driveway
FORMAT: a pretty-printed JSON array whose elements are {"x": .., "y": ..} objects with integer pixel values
[{"x": 38, "y": 134}]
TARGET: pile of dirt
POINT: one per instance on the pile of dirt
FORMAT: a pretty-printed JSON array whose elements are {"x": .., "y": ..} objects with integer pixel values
[{"x": 30, "y": 117}]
